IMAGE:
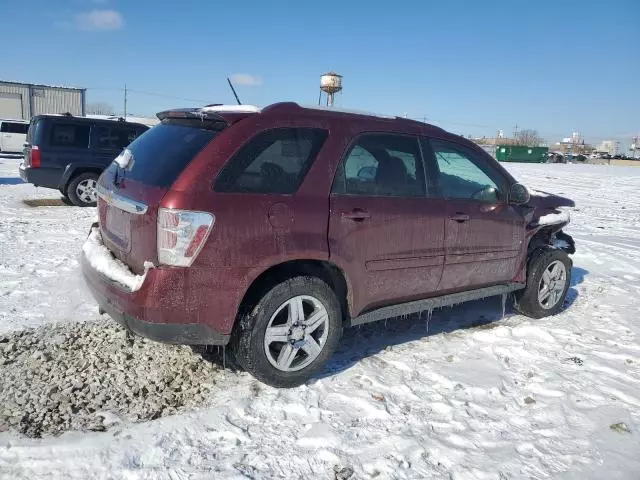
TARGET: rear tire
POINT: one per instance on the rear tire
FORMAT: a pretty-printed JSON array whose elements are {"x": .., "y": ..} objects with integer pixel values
[
  {"x": 81, "y": 190},
  {"x": 548, "y": 281},
  {"x": 290, "y": 333}
]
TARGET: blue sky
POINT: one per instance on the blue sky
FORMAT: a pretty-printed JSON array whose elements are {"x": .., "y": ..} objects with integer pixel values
[{"x": 472, "y": 67}]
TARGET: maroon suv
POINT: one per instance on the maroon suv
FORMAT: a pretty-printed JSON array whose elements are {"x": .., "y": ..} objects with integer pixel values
[{"x": 271, "y": 230}]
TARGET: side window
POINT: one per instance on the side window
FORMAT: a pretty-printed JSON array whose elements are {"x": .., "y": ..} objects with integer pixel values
[
  {"x": 115, "y": 137},
  {"x": 382, "y": 165},
  {"x": 10, "y": 127},
  {"x": 461, "y": 175},
  {"x": 69, "y": 135},
  {"x": 274, "y": 161},
  {"x": 107, "y": 137}
]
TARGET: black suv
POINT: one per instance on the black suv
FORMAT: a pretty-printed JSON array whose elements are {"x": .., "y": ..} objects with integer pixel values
[{"x": 69, "y": 153}]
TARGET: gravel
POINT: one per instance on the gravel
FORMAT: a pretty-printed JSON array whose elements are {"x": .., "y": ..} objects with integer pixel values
[{"x": 89, "y": 376}]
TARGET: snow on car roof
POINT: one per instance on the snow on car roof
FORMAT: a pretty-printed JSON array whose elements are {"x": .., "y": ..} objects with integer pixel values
[
  {"x": 232, "y": 108},
  {"x": 16, "y": 120}
]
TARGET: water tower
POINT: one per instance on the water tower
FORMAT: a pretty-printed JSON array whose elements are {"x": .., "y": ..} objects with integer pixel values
[{"x": 330, "y": 83}]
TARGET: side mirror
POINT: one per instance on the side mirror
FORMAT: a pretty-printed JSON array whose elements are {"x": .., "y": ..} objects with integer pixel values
[{"x": 518, "y": 194}]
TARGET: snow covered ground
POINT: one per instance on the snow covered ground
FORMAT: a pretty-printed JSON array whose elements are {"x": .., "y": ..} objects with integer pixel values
[{"x": 467, "y": 396}]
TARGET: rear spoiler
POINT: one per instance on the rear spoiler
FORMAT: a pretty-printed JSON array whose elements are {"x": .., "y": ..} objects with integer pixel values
[
  {"x": 190, "y": 113},
  {"x": 195, "y": 117}
]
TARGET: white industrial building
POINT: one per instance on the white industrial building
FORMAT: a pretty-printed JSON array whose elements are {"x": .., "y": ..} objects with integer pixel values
[
  {"x": 22, "y": 101},
  {"x": 612, "y": 147}
]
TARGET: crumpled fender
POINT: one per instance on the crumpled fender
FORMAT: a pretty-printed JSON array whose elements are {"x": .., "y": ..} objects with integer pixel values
[{"x": 546, "y": 204}]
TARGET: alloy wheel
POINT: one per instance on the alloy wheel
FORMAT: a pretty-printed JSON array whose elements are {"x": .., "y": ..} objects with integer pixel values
[
  {"x": 86, "y": 191},
  {"x": 296, "y": 333},
  {"x": 552, "y": 285}
]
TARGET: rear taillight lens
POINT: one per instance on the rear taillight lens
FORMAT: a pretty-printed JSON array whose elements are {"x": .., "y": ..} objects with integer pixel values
[
  {"x": 181, "y": 235},
  {"x": 35, "y": 157}
]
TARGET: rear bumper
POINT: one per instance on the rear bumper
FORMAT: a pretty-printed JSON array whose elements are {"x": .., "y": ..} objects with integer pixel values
[
  {"x": 177, "y": 333},
  {"x": 173, "y": 305},
  {"x": 41, "y": 177}
]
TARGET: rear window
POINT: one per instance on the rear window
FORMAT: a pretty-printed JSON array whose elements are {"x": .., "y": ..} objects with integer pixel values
[
  {"x": 274, "y": 161},
  {"x": 34, "y": 134},
  {"x": 69, "y": 135},
  {"x": 11, "y": 127},
  {"x": 163, "y": 152}
]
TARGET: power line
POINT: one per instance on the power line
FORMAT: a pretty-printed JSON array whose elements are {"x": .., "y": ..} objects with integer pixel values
[
  {"x": 162, "y": 95},
  {"x": 152, "y": 94}
]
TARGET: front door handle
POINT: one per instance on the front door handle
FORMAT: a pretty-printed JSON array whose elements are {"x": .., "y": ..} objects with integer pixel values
[
  {"x": 459, "y": 217},
  {"x": 357, "y": 215}
]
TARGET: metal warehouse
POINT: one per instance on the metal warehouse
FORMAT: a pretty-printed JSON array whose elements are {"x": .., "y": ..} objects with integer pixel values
[{"x": 24, "y": 100}]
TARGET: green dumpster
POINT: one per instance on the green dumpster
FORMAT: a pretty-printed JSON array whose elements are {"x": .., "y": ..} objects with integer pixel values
[{"x": 519, "y": 153}]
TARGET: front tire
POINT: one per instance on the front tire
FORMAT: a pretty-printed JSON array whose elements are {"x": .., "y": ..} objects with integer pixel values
[
  {"x": 82, "y": 190},
  {"x": 548, "y": 281},
  {"x": 290, "y": 333}
]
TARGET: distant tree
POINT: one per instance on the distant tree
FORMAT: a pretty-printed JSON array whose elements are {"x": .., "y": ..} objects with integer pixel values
[
  {"x": 528, "y": 137},
  {"x": 99, "y": 108}
]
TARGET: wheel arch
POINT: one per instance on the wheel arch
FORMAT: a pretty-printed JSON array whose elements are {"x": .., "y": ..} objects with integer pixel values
[
  {"x": 543, "y": 237},
  {"x": 326, "y": 271},
  {"x": 71, "y": 172}
]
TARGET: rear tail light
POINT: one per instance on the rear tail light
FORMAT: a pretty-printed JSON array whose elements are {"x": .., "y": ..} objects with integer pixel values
[
  {"x": 181, "y": 235},
  {"x": 35, "y": 157}
]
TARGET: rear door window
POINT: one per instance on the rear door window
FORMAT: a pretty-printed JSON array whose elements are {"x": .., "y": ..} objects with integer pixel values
[
  {"x": 164, "y": 151},
  {"x": 274, "y": 161},
  {"x": 382, "y": 165},
  {"x": 69, "y": 135}
]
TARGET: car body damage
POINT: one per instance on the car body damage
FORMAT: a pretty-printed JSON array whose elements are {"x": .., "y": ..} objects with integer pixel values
[{"x": 548, "y": 216}]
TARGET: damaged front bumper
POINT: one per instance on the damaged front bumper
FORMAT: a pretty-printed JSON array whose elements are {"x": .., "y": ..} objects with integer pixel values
[{"x": 564, "y": 242}]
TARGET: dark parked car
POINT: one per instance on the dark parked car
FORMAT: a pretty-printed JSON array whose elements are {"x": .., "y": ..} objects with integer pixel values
[
  {"x": 272, "y": 230},
  {"x": 69, "y": 153}
]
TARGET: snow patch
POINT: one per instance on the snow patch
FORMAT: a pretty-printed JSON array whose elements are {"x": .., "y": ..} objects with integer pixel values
[
  {"x": 554, "y": 218},
  {"x": 533, "y": 333},
  {"x": 232, "y": 109},
  {"x": 318, "y": 435},
  {"x": 124, "y": 158},
  {"x": 101, "y": 259}
]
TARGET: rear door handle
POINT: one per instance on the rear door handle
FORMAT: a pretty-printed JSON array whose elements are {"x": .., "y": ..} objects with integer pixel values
[
  {"x": 357, "y": 214},
  {"x": 459, "y": 217}
]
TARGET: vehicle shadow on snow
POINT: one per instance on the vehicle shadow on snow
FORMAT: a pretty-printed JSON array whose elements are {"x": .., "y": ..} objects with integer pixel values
[
  {"x": 578, "y": 275},
  {"x": 10, "y": 180},
  {"x": 367, "y": 340}
]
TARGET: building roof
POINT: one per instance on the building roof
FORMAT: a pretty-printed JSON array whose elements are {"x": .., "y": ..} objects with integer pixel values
[{"x": 41, "y": 85}]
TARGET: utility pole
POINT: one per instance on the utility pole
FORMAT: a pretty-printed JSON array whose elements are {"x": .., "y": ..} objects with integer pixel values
[{"x": 125, "y": 101}]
